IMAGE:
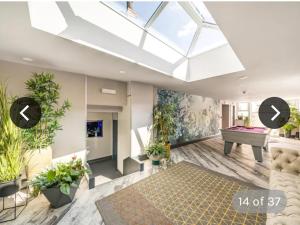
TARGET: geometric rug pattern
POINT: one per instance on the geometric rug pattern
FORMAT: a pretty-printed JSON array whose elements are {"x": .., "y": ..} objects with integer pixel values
[{"x": 184, "y": 194}]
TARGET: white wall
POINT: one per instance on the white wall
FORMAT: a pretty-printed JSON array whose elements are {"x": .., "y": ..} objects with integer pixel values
[
  {"x": 96, "y": 97},
  {"x": 72, "y": 137},
  {"x": 142, "y": 99},
  {"x": 99, "y": 147},
  {"x": 124, "y": 139}
]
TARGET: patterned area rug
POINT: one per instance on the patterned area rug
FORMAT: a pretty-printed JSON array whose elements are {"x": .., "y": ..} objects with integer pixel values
[{"x": 184, "y": 194}]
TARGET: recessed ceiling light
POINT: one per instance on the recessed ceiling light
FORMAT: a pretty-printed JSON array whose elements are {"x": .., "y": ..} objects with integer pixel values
[
  {"x": 27, "y": 59},
  {"x": 243, "y": 77},
  {"x": 122, "y": 71}
]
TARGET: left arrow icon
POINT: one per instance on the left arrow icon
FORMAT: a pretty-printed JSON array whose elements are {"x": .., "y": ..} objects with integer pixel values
[
  {"x": 22, "y": 112},
  {"x": 25, "y": 112}
]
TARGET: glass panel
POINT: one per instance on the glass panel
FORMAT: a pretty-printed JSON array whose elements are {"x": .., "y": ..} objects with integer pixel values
[
  {"x": 139, "y": 13},
  {"x": 203, "y": 11},
  {"x": 208, "y": 39},
  {"x": 243, "y": 113},
  {"x": 243, "y": 105},
  {"x": 175, "y": 27}
]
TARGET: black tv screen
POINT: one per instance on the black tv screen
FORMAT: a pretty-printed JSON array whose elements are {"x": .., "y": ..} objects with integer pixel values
[{"x": 95, "y": 128}]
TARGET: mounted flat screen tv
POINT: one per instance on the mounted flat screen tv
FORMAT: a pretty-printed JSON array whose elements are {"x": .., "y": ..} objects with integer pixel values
[{"x": 94, "y": 128}]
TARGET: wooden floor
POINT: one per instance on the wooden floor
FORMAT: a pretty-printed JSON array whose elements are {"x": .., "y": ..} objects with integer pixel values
[
  {"x": 209, "y": 153},
  {"x": 240, "y": 163}
]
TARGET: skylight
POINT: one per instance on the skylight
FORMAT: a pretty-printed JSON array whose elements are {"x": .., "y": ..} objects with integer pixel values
[
  {"x": 138, "y": 12},
  {"x": 177, "y": 32},
  {"x": 209, "y": 38},
  {"x": 178, "y": 39}
]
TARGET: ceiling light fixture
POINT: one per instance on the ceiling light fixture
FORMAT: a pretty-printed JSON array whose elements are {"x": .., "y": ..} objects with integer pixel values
[
  {"x": 243, "y": 77},
  {"x": 27, "y": 59}
]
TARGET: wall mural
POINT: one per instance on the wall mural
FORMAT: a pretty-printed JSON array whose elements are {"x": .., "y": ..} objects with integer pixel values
[{"x": 196, "y": 116}]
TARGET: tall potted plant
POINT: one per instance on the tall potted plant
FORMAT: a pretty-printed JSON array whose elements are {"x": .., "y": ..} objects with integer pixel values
[
  {"x": 11, "y": 152},
  {"x": 38, "y": 139},
  {"x": 164, "y": 123}
]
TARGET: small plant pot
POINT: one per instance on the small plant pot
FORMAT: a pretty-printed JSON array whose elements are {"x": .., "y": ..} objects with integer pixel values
[
  {"x": 155, "y": 160},
  {"x": 9, "y": 188},
  {"x": 57, "y": 198},
  {"x": 297, "y": 135},
  {"x": 168, "y": 150}
]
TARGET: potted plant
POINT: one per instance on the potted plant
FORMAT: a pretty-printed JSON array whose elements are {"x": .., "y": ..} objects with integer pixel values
[
  {"x": 11, "y": 152},
  {"x": 240, "y": 121},
  {"x": 247, "y": 121},
  {"x": 155, "y": 152},
  {"x": 59, "y": 184},
  {"x": 38, "y": 139},
  {"x": 164, "y": 123},
  {"x": 288, "y": 127},
  {"x": 295, "y": 119}
]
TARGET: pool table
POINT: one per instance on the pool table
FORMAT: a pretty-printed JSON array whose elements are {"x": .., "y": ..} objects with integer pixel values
[{"x": 257, "y": 137}]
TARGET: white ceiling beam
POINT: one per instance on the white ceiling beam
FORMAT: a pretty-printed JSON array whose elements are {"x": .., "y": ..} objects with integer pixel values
[
  {"x": 194, "y": 41},
  {"x": 189, "y": 9}
]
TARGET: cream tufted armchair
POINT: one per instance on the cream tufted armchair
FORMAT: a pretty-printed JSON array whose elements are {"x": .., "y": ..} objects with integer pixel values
[{"x": 285, "y": 176}]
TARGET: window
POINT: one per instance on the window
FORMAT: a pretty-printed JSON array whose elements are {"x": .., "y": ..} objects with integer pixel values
[
  {"x": 208, "y": 39},
  {"x": 138, "y": 12},
  {"x": 203, "y": 11},
  {"x": 94, "y": 128},
  {"x": 243, "y": 109},
  {"x": 174, "y": 26}
]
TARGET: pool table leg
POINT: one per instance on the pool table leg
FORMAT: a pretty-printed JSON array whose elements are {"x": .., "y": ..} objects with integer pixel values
[
  {"x": 227, "y": 147},
  {"x": 257, "y": 151}
]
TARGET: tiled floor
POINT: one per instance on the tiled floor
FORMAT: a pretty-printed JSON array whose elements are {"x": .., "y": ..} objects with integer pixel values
[{"x": 240, "y": 164}]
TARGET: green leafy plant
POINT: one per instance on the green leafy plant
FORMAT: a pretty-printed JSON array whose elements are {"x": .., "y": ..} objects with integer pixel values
[
  {"x": 11, "y": 153},
  {"x": 156, "y": 149},
  {"x": 247, "y": 121},
  {"x": 63, "y": 176},
  {"x": 288, "y": 127},
  {"x": 46, "y": 92},
  {"x": 164, "y": 121}
]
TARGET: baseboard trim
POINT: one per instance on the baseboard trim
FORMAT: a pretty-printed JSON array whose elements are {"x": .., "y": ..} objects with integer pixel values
[{"x": 194, "y": 141}]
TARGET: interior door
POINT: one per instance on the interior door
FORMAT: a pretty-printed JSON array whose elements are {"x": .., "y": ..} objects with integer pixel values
[{"x": 225, "y": 116}]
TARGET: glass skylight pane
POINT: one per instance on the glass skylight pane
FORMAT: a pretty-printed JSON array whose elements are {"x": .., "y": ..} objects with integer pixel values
[
  {"x": 203, "y": 11},
  {"x": 140, "y": 12},
  {"x": 175, "y": 27},
  {"x": 208, "y": 39}
]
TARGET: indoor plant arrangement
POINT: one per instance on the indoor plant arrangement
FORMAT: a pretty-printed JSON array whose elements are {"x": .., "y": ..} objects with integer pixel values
[
  {"x": 38, "y": 139},
  {"x": 293, "y": 122},
  {"x": 11, "y": 152},
  {"x": 247, "y": 121},
  {"x": 60, "y": 183},
  {"x": 156, "y": 151},
  {"x": 164, "y": 123}
]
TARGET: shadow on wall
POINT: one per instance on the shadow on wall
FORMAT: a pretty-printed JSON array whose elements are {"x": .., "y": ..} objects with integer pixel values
[
  {"x": 140, "y": 138},
  {"x": 196, "y": 116}
]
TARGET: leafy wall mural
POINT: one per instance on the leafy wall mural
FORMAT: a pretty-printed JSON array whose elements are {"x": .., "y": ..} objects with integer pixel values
[{"x": 196, "y": 116}]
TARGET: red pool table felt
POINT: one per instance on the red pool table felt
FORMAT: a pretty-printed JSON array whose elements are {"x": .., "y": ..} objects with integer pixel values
[{"x": 248, "y": 129}]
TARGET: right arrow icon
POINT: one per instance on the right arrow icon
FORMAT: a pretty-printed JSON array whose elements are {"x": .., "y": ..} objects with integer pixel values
[{"x": 277, "y": 113}]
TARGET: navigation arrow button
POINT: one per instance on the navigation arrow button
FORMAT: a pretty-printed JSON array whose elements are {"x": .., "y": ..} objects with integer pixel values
[
  {"x": 25, "y": 112},
  {"x": 266, "y": 112},
  {"x": 277, "y": 113},
  {"x": 22, "y": 112}
]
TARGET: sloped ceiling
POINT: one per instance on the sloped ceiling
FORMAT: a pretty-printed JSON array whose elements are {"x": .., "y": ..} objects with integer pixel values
[{"x": 264, "y": 36}]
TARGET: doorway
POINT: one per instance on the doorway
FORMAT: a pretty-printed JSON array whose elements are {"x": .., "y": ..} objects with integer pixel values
[{"x": 225, "y": 116}]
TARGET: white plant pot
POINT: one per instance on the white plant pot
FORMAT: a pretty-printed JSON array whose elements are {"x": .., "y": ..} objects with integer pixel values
[
  {"x": 239, "y": 123},
  {"x": 38, "y": 161}
]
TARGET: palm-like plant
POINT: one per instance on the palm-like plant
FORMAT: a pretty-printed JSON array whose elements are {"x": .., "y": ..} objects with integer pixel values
[{"x": 11, "y": 153}]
